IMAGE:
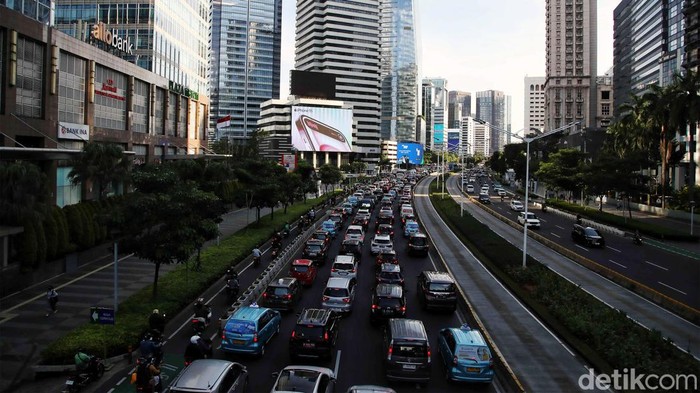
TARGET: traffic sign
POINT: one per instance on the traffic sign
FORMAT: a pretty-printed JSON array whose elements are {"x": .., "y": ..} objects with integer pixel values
[{"x": 102, "y": 315}]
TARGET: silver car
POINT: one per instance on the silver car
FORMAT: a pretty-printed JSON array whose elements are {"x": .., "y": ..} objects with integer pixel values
[
  {"x": 381, "y": 243},
  {"x": 339, "y": 294}
]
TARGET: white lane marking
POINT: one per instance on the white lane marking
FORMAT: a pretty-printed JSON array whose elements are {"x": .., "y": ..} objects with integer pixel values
[
  {"x": 653, "y": 264},
  {"x": 110, "y": 390},
  {"x": 337, "y": 364},
  {"x": 668, "y": 286},
  {"x": 614, "y": 249},
  {"x": 581, "y": 247},
  {"x": 618, "y": 264},
  {"x": 121, "y": 380},
  {"x": 555, "y": 235},
  {"x": 560, "y": 227}
]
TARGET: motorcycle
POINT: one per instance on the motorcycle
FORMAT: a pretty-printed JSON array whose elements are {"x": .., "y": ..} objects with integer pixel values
[
  {"x": 232, "y": 289},
  {"x": 256, "y": 261},
  {"x": 202, "y": 316},
  {"x": 637, "y": 239},
  {"x": 544, "y": 208},
  {"x": 93, "y": 372}
]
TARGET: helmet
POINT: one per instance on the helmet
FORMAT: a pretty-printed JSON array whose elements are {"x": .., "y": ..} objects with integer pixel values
[
  {"x": 194, "y": 339},
  {"x": 155, "y": 311}
]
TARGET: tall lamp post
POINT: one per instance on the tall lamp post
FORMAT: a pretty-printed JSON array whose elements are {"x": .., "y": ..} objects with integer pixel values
[{"x": 692, "y": 210}]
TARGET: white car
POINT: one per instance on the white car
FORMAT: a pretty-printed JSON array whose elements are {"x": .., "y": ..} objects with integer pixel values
[
  {"x": 532, "y": 220},
  {"x": 470, "y": 188},
  {"x": 516, "y": 205},
  {"x": 501, "y": 191},
  {"x": 344, "y": 266},
  {"x": 355, "y": 232},
  {"x": 381, "y": 243},
  {"x": 363, "y": 211},
  {"x": 310, "y": 379}
]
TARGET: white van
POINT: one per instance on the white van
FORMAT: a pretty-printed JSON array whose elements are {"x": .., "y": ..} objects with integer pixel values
[{"x": 406, "y": 210}]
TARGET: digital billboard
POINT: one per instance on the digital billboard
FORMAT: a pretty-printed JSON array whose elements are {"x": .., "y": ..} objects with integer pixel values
[
  {"x": 312, "y": 84},
  {"x": 452, "y": 140},
  {"x": 321, "y": 129},
  {"x": 409, "y": 152}
]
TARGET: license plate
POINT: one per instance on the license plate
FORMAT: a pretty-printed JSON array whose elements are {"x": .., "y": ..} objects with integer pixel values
[
  {"x": 69, "y": 382},
  {"x": 473, "y": 369},
  {"x": 309, "y": 345},
  {"x": 409, "y": 366},
  {"x": 387, "y": 311},
  {"x": 238, "y": 342}
]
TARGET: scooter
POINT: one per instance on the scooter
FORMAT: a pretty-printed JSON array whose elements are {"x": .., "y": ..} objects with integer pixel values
[
  {"x": 232, "y": 289},
  {"x": 81, "y": 380},
  {"x": 637, "y": 239},
  {"x": 199, "y": 322},
  {"x": 256, "y": 262}
]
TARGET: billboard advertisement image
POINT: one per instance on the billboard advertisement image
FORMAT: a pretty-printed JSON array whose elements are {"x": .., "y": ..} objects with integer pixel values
[
  {"x": 409, "y": 152},
  {"x": 321, "y": 129},
  {"x": 452, "y": 140}
]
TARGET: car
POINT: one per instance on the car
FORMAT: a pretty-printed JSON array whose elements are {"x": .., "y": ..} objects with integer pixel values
[
  {"x": 330, "y": 227},
  {"x": 315, "y": 334},
  {"x": 418, "y": 244},
  {"x": 384, "y": 219},
  {"x": 352, "y": 247},
  {"x": 369, "y": 389},
  {"x": 353, "y": 200},
  {"x": 532, "y": 220},
  {"x": 388, "y": 301},
  {"x": 407, "y": 348},
  {"x": 303, "y": 270},
  {"x": 390, "y": 273},
  {"x": 339, "y": 210},
  {"x": 338, "y": 220},
  {"x": 406, "y": 218},
  {"x": 516, "y": 205},
  {"x": 405, "y": 210},
  {"x": 485, "y": 199},
  {"x": 588, "y": 236},
  {"x": 339, "y": 294},
  {"x": 501, "y": 192},
  {"x": 369, "y": 201},
  {"x": 363, "y": 212},
  {"x": 380, "y": 243},
  {"x": 470, "y": 188},
  {"x": 355, "y": 232},
  {"x": 282, "y": 294},
  {"x": 316, "y": 250},
  {"x": 386, "y": 256},
  {"x": 250, "y": 329},
  {"x": 410, "y": 228},
  {"x": 465, "y": 354},
  {"x": 344, "y": 266},
  {"x": 306, "y": 379},
  {"x": 437, "y": 290},
  {"x": 348, "y": 208},
  {"x": 211, "y": 376},
  {"x": 322, "y": 235},
  {"x": 485, "y": 189},
  {"x": 385, "y": 229}
]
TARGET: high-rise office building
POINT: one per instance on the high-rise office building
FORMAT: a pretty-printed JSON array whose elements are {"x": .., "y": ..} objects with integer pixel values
[
  {"x": 435, "y": 110},
  {"x": 492, "y": 107},
  {"x": 647, "y": 46},
  {"x": 399, "y": 70},
  {"x": 534, "y": 103},
  {"x": 245, "y": 63},
  {"x": 691, "y": 16},
  {"x": 459, "y": 106},
  {"x": 39, "y": 10},
  {"x": 169, "y": 38},
  {"x": 571, "y": 51},
  {"x": 340, "y": 38}
]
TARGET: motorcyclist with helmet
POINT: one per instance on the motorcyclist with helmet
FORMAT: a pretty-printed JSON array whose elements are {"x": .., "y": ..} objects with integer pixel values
[
  {"x": 84, "y": 363},
  {"x": 202, "y": 312},
  {"x": 156, "y": 321},
  {"x": 257, "y": 255}
]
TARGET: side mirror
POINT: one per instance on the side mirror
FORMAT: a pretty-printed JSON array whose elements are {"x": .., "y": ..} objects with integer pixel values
[{"x": 275, "y": 374}]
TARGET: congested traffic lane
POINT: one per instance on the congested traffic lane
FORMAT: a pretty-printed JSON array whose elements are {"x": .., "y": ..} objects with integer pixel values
[{"x": 673, "y": 274}]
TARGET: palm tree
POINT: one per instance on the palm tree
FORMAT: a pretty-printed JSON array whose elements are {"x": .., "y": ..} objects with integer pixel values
[
  {"x": 103, "y": 163},
  {"x": 22, "y": 191}
]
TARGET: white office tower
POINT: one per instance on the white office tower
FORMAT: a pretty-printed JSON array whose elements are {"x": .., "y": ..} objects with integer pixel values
[
  {"x": 570, "y": 92},
  {"x": 534, "y": 102},
  {"x": 476, "y": 137},
  {"x": 493, "y": 107},
  {"x": 342, "y": 38}
]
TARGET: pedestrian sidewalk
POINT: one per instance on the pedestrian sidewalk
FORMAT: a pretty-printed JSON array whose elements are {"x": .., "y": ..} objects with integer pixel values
[{"x": 25, "y": 330}]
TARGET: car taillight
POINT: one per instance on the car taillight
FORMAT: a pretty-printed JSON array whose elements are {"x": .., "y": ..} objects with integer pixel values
[
  {"x": 455, "y": 360},
  {"x": 255, "y": 339},
  {"x": 195, "y": 320},
  {"x": 334, "y": 270},
  {"x": 352, "y": 271},
  {"x": 294, "y": 334},
  {"x": 325, "y": 298},
  {"x": 346, "y": 300},
  {"x": 265, "y": 294},
  {"x": 374, "y": 307},
  {"x": 289, "y": 296},
  {"x": 325, "y": 336},
  {"x": 429, "y": 353},
  {"x": 403, "y": 309},
  {"x": 388, "y": 355}
]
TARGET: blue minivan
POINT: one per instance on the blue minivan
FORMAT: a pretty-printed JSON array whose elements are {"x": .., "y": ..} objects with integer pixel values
[
  {"x": 249, "y": 329},
  {"x": 465, "y": 354}
]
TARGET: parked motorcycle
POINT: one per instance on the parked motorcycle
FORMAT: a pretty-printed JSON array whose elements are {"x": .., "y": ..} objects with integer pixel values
[{"x": 93, "y": 372}]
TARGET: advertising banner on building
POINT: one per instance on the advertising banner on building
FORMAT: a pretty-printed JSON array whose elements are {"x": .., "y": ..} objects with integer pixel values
[
  {"x": 321, "y": 129},
  {"x": 452, "y": 141},
  {"x": 78, "y": 132},
  {"x": 409, "y": 152},
  {"x": 289, "y": 161}
]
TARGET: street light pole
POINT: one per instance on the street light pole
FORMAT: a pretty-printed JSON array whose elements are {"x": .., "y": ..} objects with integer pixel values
[
  {"x": 692, "y": 208},
  {"x": 527, "y": 193}
]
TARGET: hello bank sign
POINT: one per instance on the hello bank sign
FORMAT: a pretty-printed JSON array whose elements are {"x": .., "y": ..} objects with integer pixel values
[{"x": 101, "y": 33}]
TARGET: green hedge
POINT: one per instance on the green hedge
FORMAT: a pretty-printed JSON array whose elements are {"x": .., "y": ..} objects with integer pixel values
[
  {"x": 176, "y": 291},
  {"x": 605, "y": 337}
]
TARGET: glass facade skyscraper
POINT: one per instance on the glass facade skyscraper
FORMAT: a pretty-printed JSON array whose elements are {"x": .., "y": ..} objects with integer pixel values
[
  {"x": 245, "y": 62},
  {"x": 493, "y": 107},
  {"x": 399, "y": 69},
  {"x": 39, "y": 10},
  {"x": 170, "y": 38}
]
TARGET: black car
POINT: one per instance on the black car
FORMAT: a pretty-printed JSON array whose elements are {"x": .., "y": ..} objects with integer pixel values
[
  {"x": 485, "y": 199},
  {"x": 587, "y": 236},
  {"x": 418, "y": 244},
  {"x": 321, "y": 235},
  {"x": 388, "y": 301},
  {"x": 385, "y": 229},
  {"x": 384, "y": 219},
  {"x": 315, "y": 333},
  {"x": 390, "y": 273},
  {"x": 361, "y": 219},
  {"x": 316, "y": 250},
  {"x": 352, "y": 246},
  {"x": 282, "y": 294},
  {"x": 386, "y": 257},
  {"x": 338, "y": 220},
  {"x": 437, "y": 290}
]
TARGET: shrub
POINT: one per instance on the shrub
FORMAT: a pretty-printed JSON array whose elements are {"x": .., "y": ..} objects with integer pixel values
[
  {"x": 75, "y": 225},
  {"x": 51, "y": 233},
  {"x": 40, "y": 243},
  {"x": 28, "y": 245},
  {"x": 63, "y": 244}
]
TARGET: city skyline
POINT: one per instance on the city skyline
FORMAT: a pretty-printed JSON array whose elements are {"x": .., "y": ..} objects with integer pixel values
[{"x": 472, "y": 56}]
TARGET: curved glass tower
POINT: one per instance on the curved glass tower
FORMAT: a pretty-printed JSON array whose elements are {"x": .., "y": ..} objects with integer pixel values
[{"x": 399, "y": 70}]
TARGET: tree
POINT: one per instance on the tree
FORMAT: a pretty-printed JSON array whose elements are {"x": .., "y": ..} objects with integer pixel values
[
  {"x": 23, "y": 191},
  {"x": 102, "y": 163},
  {"x": 385, "y": 163},
  {"x": 290, "y": 189},
  {"x": 260, "y": 184},
  {"x": 306, "y": 175},
  {"x": 563, "y": 170},
  {"x": 165, "y": 220},
  {"x": 687, "y": 87},
  {"x": 610, "y": 172},
  {"x": 497, "y": 162},
  {"x": 329, "y": 174},
  {"x": 514, "y": 156}
]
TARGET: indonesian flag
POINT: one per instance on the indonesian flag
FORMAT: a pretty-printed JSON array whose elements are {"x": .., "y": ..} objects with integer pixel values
[{"x": 223, "y": 122}]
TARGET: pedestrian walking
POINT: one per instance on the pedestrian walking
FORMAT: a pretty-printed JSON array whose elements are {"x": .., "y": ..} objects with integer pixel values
[{"x": 52, "y": 297}]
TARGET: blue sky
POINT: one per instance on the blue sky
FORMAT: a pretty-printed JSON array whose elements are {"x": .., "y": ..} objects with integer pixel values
[{"x": 478, "y": 44}]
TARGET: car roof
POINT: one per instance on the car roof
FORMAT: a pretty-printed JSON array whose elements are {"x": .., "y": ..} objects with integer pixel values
[
  {"x": 344, "y": 259},
  {"x": 314, "y": 242},
  {"x": 389, "y": 290},
  {"x": 465, "y": 335},
  {"x": 314, "y": 316},
  {"x": 282, "y": 282},
  {"x": 248, "y": 313},
  {"x": 303, "y": 262},
  {"x": 355, "y": 227},
  {"x": 322, "y": 370},
  {"x": 338, "y": 282},
  {"x": 407, "y": 329},
  {"x": 370, "y": 389},
  {"x": 390, "y": 267},
  {"x": 418, "y": 234},
  {"x": 209, "y": 370},
  {"x": 438, "y": 276},
  {"x": 383, "y": 237}
]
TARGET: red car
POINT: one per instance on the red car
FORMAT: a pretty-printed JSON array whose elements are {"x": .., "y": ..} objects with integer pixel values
[{"x": 303, "y": 270}]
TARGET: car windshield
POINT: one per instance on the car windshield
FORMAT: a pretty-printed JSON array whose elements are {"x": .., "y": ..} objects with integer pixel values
[
  {"x": 389, "y": 302},
  {"x": 390, "y": 276},
  {"x": 300, "y": 269},
  {"x": 412, "y": 225},
  {"x": 418, "y": 241},
  {"x": 313, "y": 248},
  {"x": 240, "y": 327},
  {"x": 297, "y": 381},
  {"x": 343, "y": 266},
  {"x": 441, "y": 287},
  {"x": 277, "y": 291},
  {"x": 382, "y": 241},
  {"x": 308, "y": 331},
  {"x": 354, "y": 231},
  {"x": 590, "y": 232},
  {"x": 328, "y": 224},
  {"x": 410, "y": 350},
  {"x": 336, "y": 292},
  {"x": 530, "y": 216}
]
